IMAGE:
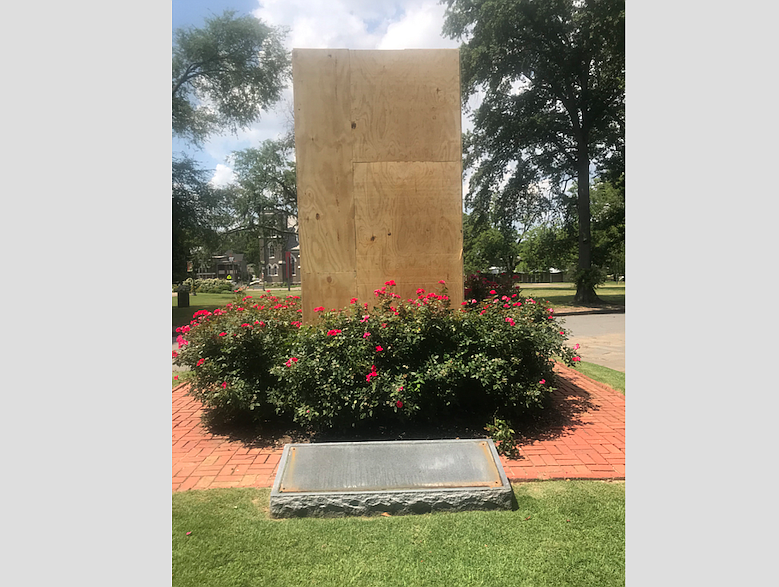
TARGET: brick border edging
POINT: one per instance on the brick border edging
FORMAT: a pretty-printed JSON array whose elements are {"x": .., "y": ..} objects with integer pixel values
[
  {"x": 573, "y": 455},
  {"x": 518, "y": 480}
]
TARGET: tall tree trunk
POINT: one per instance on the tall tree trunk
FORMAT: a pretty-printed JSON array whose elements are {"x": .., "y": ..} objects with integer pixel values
[{"x": 585, "y": 294}]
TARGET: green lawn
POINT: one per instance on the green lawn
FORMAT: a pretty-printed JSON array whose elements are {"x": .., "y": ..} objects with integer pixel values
[
  {"x": 561, "y": 296},
  {"x": 615, "y": 379},
  {"x": 202, "y": 301},
  {"x": 561, "y": 533},
  {"x": 183, "y": 376}
]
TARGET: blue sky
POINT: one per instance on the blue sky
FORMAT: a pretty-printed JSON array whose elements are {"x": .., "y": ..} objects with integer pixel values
[{"x": 350, "y": 24}]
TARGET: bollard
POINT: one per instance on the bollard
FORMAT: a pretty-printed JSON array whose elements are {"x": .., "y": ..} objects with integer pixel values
[{"x": 183, "y": 298}]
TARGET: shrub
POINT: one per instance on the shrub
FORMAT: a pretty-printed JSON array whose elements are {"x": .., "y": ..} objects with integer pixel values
[
  {"x": 214, "y": 286},
  {"x": 206, "y": 285},
  {"x": 232, "y": 349},
  {"x": 503, "y": 435},
  {"x": 484, "y": 285},
  {"x": 401, "y": 361}
]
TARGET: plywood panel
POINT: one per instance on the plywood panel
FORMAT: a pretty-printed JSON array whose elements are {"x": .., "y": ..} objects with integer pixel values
[
  {"x": 323, "y": 151},
  {"x": 406, "y": 105},
  {"x": 379, "y": 173},
  {"x": 331, "y": 290},
  {"x": 408, "y": 226},
  {"x": 402, "y": 209}
]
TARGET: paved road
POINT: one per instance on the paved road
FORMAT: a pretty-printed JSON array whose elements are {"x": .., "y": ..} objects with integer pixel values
[{"x": 601, "y": 338}]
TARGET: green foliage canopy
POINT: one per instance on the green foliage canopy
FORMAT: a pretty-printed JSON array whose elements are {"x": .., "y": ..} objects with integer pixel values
[
  {"x": 554, "y": 245},
  {"x": 266, "y": 194},
  {"x": 485, "y": 246},
  {"x": 199, "y": 212},
  {"x": 225, "y": 74},
  {"x": 551, "y": 77}
]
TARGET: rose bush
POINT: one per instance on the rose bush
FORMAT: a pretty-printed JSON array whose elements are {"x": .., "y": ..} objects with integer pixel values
[
  {"x": 483, "y": 285},
  {"x": 399, "y": 361},
  {"x": 231, "y": 350}
]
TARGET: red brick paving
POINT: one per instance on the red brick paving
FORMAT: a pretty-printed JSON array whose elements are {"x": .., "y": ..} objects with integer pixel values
[{"x": 588, "y": 443}]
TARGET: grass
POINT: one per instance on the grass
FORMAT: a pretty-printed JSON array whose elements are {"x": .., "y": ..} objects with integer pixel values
[
  {"x": 202, "y": 301},
  {"x": 562, "y": 296},
  {"x": 561, "y": 533},
  {"x": 615, "y": 379},
  {"x": 183, "y": 377}
]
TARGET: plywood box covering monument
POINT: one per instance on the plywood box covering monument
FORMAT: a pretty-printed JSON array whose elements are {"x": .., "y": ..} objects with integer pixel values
[{"x": 379, "y": 167}]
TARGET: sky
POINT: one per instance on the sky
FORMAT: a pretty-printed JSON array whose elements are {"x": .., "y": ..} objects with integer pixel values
[{"x": 344, "y": 24}]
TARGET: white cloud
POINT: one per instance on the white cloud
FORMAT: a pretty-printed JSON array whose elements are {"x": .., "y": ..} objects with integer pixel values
[
  {"x": 345, "y": 24},
  {"x": 222, "y": 176},
  {"x": 320, "y": 24},
  {"x": 420, "y": 28},
  {"x": 358, "y": 24},
  {"x": 272, "y": 125}
]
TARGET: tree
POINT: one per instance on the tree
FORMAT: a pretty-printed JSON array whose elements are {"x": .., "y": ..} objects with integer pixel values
[
  {"x": 265, "y": 201},
  {"x": 485, "y": 246},
  {"x": 608, "y": 225},
  {"x": 546, "y": 247},
  {"x": 552, "y": 75},
  {"x": 555, "y": 244},
  {"x": 199, "y": 213},
  {"x": 225, "y": 74}
]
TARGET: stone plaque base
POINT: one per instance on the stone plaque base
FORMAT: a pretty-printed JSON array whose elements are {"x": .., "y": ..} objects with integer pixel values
[{"x": 397, "y": 477}]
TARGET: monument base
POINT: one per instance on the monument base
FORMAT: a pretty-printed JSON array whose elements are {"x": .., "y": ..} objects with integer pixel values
[{"x": 395, "y": 477}]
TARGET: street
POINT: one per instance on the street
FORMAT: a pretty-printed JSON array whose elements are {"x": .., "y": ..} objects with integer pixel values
[{"x": 601, "y": 338}]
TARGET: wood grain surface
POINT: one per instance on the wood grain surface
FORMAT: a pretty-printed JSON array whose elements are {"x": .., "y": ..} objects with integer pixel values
[
  {"x": 323, "y": 153},
  {"x": 379, "y": 172},
  {"x": 406, "y": 105}
]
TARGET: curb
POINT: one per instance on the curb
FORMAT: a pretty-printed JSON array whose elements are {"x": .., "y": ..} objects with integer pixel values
[{"x": 589, "y": 312}]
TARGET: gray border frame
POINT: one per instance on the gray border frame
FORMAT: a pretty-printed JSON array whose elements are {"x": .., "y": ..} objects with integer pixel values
[{"x": 396, "y": 502}]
